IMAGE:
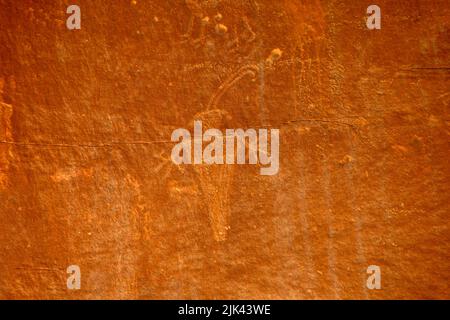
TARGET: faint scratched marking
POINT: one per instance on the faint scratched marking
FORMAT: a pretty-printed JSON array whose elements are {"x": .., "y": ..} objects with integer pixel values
[{"x": 71, "y": 173}]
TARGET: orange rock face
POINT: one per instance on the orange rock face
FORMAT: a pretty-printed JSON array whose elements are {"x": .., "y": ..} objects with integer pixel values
[{"x": 86, "y": 176}]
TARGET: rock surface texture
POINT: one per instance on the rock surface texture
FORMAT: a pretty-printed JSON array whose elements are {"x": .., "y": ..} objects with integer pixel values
[{"x": 86, "y": 177}]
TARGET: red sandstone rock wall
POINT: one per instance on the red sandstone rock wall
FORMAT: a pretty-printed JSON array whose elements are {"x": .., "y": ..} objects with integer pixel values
[{"x": 86, "y": 177}]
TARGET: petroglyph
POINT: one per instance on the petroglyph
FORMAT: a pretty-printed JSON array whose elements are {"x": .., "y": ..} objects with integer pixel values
[
  {"x": 198, "y": 17},
  {"x": 248, "y": 28},
  {"x": 214, "y": 35},
  {"x": 239, "y": 41},
  {"x": 251, "y": 70},
  {"x": 165, "y": 167},
  {"x": 220, "y": 28},
  {"x": 275, "y": 55},
  {"x": 215, "y": 180}
]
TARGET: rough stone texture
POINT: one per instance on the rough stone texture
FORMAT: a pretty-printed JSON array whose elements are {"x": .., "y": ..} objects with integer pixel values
[{"x": 85, "y": 171}]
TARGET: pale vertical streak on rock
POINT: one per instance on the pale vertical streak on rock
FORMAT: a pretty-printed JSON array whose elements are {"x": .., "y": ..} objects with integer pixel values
[
  {"x": 336, "y": 93},
  {"x": 304, "y": 210},
  {"x": 329, "y": 218},
  {"x": 6, "y": 111},
  {"x": 380, "y": 194},
  {"x": 262, "y": 109},
  {"x": 358, "y": 219}
]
